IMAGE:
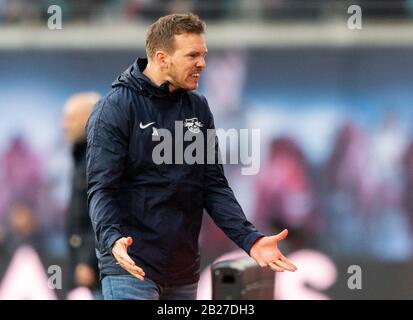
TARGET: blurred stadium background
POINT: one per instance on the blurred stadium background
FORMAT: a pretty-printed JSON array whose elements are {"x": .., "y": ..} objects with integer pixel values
[{"x": 334, "y": 105}]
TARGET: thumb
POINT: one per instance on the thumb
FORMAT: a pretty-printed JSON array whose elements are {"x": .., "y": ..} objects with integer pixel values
[
  {"x": 129, "y": 242},
  {"x": 282, "y": 235}
]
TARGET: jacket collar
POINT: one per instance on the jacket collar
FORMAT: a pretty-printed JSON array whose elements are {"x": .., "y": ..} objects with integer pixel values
[{"x": 135, "y": 79}]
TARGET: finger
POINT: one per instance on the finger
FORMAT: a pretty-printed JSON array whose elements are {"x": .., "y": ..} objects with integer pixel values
[
  {"x": 274, "y": 267},
  {"x": 139, "y": 277},
  {"x": 130, "y": 264},
  {"x": 284, "y": 265},
  {"x": 134, "y": 269},
  {"x": 284, "y": 259},
  {"x": 135, "y": 274},
  {"x": 121, "y": 254},
  {"x": 129, "y": 241},
  {"x": 282, "y": 235},
  {"x": 126, "y": 259},
  {"x": 139, "y": 270}
]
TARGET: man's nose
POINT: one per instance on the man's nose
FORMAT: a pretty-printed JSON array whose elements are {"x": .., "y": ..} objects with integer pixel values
[{"x": 201, "y": 63}]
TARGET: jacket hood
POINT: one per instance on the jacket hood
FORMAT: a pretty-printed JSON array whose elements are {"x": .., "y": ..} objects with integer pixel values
[{"x": 134, "y": 79}]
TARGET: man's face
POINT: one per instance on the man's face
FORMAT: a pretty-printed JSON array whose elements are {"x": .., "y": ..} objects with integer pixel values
[
  {"x": 73, "y": 123},
  {"x": 187, "y": 62},
  {"x": 75, "y": 116},
  {"x": 76, "y": 113}
]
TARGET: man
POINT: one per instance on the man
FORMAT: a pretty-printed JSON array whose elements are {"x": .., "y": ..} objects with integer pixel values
[
  {"x": 147, "y": 216},
  {"x": 82, "y": 257}
]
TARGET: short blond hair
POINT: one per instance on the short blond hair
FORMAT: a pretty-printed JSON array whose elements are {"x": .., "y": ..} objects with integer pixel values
[{"x": 160, "y": 35}]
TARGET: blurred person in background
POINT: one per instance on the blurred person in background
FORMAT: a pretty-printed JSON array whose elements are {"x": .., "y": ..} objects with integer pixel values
[
  {"x": 407, "y": 166},
  {"x": 147, "y": 216},
  {"x": 83, "y": 269},
  {"x": 347, "y": 166},
  {"x": 388, "y": 215},
  {"x": 348, "y": 192},
  {"x": 365, "y": 192},
  {"x": 284, "y": 195},
  {"x": 22, "y": 228},
  {"x": 387, "y": 145},
  {"x": 21, "y": 176}
]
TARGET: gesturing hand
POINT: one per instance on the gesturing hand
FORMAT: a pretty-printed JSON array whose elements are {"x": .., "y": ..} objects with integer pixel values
[
  {"x": 120, "y": 252},
  {"x": 265, "y": 251}
]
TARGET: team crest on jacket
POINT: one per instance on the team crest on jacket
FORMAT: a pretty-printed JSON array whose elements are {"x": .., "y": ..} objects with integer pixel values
[{"x": 193, "y": 125}]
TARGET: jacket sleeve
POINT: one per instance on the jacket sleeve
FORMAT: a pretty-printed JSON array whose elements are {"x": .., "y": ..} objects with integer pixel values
[
  {"x": 106, "y": 155},
  {"x": 220, "y": 202}
]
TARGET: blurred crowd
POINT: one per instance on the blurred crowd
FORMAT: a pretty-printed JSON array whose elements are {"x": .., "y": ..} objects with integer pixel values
[
  {"x": 35, "y": 11},
  {"x": 27, "y": 210},
  {"x": 358, "y": 203}
]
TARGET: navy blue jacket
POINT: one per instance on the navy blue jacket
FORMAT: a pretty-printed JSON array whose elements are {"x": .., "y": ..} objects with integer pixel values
[{"x": 160, "y": 206}]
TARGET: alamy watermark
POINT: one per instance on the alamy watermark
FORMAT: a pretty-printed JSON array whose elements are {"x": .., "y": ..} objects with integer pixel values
[
  {"x": 354, "y": 22},
  {"x": 55, "y": 277},
  {"x": 194, "y": 147},
  {"x": 355, "y": 280},
  {"x": 55, "y": 19}
]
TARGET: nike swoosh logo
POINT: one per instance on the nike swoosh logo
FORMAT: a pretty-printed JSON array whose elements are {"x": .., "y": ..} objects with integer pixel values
[{"x": 146, "y": 125}]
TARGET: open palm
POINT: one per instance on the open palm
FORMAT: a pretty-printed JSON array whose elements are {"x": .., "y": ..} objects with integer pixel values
[{"x": 265, "y": 251}]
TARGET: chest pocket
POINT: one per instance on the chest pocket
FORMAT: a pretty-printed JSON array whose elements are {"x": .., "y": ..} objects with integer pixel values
[{"x": 141, "y": 146}]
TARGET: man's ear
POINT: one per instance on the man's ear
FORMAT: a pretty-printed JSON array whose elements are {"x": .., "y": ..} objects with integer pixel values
[{"x": 161, "y": 58}]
